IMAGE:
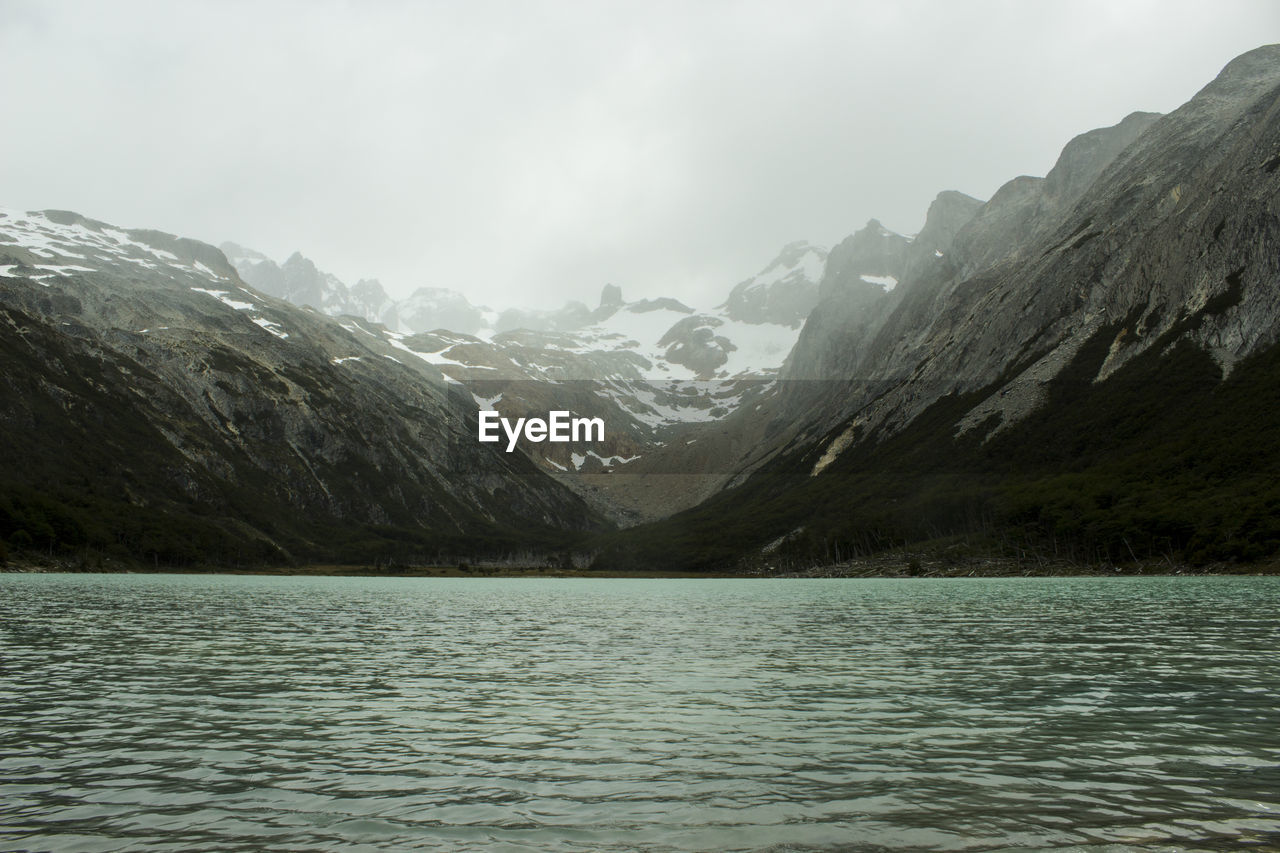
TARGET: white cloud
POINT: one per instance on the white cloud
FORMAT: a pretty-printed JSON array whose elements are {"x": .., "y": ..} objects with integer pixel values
[{"x": 530, "y": 152}]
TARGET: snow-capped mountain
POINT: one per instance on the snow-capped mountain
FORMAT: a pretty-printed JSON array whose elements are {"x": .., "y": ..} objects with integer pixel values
[
  {"x": 748, "y": 335},
  {"x": 1084, "y": 361},
  {"x": 429, "y": 308},
  {"x": 648, "y": 341},
  {"x": 656, "y": 370},
  {"x": 783, "y": 292},
  {"x": 1085, "y": 364},
  {"x": 300, "y": 281},
  {"x": 651, "y": 368},
  {"x": 154, "y": 405},
  {"x": 297, "y": 280}
]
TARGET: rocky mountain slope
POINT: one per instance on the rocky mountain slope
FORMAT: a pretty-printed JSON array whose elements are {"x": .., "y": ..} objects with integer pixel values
[
  {"x": 750, "y": 334},
  {"x": 299, "y": 281},
  {"x": 1083, "y": 367},
  {"x": 153, "y": 405},
  {"x": 650, "y": 368},
  {"x": 1130, "y": 294}
]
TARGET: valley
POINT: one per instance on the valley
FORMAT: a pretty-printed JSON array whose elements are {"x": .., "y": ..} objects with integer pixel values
[{"x": 1081, "y": 368}]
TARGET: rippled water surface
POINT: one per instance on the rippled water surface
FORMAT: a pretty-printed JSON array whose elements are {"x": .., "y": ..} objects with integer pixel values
[{"x": 251, "y": 713}]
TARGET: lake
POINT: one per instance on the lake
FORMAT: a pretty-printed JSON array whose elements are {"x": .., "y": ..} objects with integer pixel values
[{"x": 166, "y": 712}]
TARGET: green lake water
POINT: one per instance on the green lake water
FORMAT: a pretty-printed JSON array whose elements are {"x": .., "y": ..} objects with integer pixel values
[{"x": 161, "y": 712}]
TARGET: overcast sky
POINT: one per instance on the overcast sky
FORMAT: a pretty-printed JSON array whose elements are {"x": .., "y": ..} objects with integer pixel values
[{"x": 528, "y": 152}]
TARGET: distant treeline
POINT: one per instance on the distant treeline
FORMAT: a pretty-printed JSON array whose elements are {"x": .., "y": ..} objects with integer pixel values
[{"x": 89, "y": 531}]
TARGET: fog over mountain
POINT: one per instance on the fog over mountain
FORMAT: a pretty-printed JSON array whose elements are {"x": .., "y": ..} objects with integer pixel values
[
  {"x": 1039, "y": 371},
  {"x": 525, "y": 155},
  {"x": 562, "y": 425}
]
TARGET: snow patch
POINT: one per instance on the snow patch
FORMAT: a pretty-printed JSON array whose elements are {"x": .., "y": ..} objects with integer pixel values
[
  {"x": 273, "y": 328},
  {"x": 225, "y": 298},
  {"x": 579, "y": 459},
  {"x": 63, "y": 270},
  {"x": 103, "y": 246},
  {"x": 888, "y": 282},
  {"x": 356, "y": 327},
  {"x": 208, "y": 272},
  {"x": 809, "y": 266}
]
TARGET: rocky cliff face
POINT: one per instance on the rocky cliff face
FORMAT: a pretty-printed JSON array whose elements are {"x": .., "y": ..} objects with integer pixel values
[
  {"x": 155, "y": 404},
  {"x": 651, "y": 368},
  {"x": 1147, "y": 253},
  {"x": 878, "y": 340},
  {"x": 784, "y": 292},
  {"x": 260, "y": 411},
  {"x": 1121, "y": 231},
  {"x": 300, "y": 282}
]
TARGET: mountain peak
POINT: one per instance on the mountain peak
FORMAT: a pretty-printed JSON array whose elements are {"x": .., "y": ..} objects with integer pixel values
[
  {"x": 611, "y": 296},
  {"x": 235, "y": 253},
  {"x": 1260, "y": 66},
  {"x": 785, "y": 291},
  {"x": 369, "y": 287},
  {"x": 794, "y": 253},
  {"x": 440, "y": 308},
  {"x": 1086, "y": 155},
  {"x": 948, "y": 213}
]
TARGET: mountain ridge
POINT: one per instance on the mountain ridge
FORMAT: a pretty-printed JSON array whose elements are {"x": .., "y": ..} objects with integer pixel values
[
  {"x": 156, "y": 407},
  {"x": 1045, "y": 369},
  {"x": 1164, "y": 248}
]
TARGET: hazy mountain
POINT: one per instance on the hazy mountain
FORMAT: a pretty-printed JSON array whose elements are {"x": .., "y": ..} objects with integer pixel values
[
  {"x": 1085, "y": 364},
  {"x": 429, "y": 308},
  {"x": 250, "y": 425},
  {"x": 154, "y": 405},
  {"x": 783, "y": 292},
  {"x": 648, "y": 367},
  {"x": 658, "y": 362},
  {"x": 299, "y": 281}
]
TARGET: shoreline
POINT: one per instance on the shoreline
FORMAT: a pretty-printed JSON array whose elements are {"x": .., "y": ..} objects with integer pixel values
[
  {"x": 905, "y": 566},
  {"x": 355, "y": 571}
]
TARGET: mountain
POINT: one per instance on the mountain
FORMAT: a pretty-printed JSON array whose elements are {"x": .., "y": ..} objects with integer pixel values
[
  {"x": 429, "y": 308},
  {"x": 749, "y": 334},
  {"x": 154, "y": 406},
  {"x": 299, "y": 281},
  {"x": 651, "y": 368},
  {"x": 239, "y": 423},
  {"x": 1082, "y": 367},
  {"x": 784, "y": 292},
  {"x": 655, "y": 340}
]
